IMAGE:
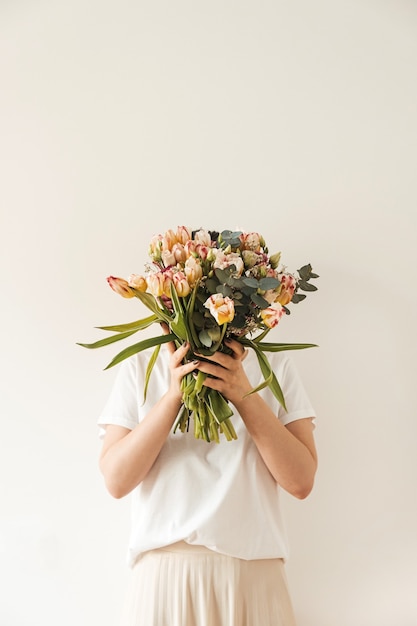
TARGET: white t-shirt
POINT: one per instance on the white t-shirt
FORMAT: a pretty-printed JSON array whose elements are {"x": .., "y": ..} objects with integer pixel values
[{"x": 220, "y": 495}]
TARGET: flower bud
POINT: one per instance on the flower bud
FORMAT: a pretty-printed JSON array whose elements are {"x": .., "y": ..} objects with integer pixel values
[
  {"x": 120, "y": 286},
  {"x": 274, "y": 260}
]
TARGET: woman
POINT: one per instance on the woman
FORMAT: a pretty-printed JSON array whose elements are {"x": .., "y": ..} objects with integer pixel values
[{"x": 207, "y": 545}]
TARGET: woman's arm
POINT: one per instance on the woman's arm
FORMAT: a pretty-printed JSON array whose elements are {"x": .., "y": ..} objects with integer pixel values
[
  {"x": 288, "y": 451},
  {"x": 128, "y": 455}
]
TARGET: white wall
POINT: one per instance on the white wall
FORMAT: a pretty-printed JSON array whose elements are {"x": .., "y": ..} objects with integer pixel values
[{"x": 120, "y": 120}]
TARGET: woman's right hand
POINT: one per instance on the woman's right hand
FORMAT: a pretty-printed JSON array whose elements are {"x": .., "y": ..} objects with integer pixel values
[{"x": 177, "y": 368}]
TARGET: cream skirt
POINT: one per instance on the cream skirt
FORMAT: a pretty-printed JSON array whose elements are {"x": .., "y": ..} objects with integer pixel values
[{"x": 183, "y": 585}]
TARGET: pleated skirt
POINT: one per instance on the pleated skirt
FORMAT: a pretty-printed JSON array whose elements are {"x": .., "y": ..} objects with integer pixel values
[{"x": 184, "y": 585}]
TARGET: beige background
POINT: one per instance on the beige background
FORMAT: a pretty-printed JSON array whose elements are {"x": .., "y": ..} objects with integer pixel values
[{"x": 120, "y": 120}]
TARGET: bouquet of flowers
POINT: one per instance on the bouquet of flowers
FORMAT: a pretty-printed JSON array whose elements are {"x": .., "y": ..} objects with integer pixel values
[{"x": 206, "y": 287}]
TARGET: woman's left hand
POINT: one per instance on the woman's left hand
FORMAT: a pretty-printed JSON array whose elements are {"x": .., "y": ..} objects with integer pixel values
[{"x": 226, "y": 373}]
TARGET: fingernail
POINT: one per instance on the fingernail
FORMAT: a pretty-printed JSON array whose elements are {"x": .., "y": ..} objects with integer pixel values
[{"x": 196, "y": 362}]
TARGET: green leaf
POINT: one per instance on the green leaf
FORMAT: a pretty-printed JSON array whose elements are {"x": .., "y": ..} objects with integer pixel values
[
  {"x": 211, "y": 285},
  {"x": 298, "y": 297},
  {"x": 269, "y": 376},
  {"x": 205, "y": 338},
  {"x": 305, "y": 286},
  {"x": 149, "y": 369},
  {"x": 138, "y": 347},
  {"x": 259, "y": 301},
  {"x": 178, "y": 325},
  {"x": 276, "y": 347},
  {"x": 138, "y": 325},
  {"x": 268, "y": 283},
  {"x": 222, "y": 275},
  {"x": 225, "y": 290},
  {"x": 219, "y": 406},
  {"x": 214, "y": 333},
  {"x": 149, "y": 301},
  {"x": 305, "y": 272},
  {"x": 190, "y": 323},
  {"x": 251, "y": 282},
  {"x": 108, "y": 340}
]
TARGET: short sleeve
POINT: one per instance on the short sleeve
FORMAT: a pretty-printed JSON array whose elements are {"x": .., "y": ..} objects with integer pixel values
[
  {"x": 121, "y": 408},
  {"x": 296, "y": 399}
]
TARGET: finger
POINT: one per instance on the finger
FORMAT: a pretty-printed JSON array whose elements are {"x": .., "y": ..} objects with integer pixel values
[
  {"x": 165, "y": 330},
  {"x": 183, "y": 370},
  {"x": 178, "y": 353},
  {"x": 212, "y": 369},
  {"x": 218, "y": 357},
  {"x": 239, "y": 351}
]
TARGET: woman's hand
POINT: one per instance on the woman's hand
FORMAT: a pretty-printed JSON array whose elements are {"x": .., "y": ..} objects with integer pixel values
[
  {"x": 288, "y": 451},
  {"x": 128, "y": 455},
  {"x": 176, "y": 367},
  {"x": 226, "y": 372}
]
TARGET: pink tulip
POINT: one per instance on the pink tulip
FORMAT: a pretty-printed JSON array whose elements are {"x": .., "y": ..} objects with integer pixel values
[
  {"x": 168, "y": 277},
  {"x": 286, "y": 289},
  {"x": 181, "y": 284},
  {"x": 190, "y": 248},
  {"x": 203, "y": 238},
  {"x": 137, "y": 282},
  {"x": 168, "y": 258},
  {"x": 225, "y": 260},
  {"x": 168, "y": 240},
  {"x": 155, "y": 248},
  {"x": 222, "y": 308},
  {"x": 179, "y": 253},
  {"x": 156, "y": 284},
  {"x": 193, "y": 270},
  {"x": 271, "y": 315},
  {"x": 120, "y": 286},
  {"x": 251, "y": 241},
  {"x": 183, "y": 235}
]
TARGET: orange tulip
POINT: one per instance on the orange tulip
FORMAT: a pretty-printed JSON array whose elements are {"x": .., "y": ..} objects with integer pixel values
[{"x": 222, "y": 308}]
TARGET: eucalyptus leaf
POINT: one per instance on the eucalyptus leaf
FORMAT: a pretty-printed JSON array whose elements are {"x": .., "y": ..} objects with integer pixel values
[
  {"x": 305, "y": 271},
  {"x": 268, "y": 283},
  {"x": 205, "y": 338},
  {"x": 298, "y": 297},
  {"x": 225, "y": 290},
  {"x": 305, "y": 286},
  {"x": 251, "y": 282},
  {"x": 259, "y": 301},
  {"x": 211, "y": 285}
]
